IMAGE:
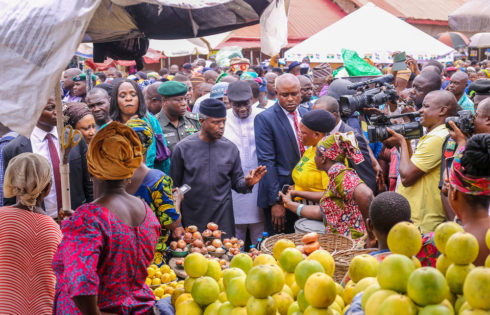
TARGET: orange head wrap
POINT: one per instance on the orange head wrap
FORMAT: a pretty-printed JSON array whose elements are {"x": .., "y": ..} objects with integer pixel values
[{"x": 114, "y": 153}]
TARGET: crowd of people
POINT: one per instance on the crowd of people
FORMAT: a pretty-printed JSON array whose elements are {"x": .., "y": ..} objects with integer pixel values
[{"x": 255, "y": 147}]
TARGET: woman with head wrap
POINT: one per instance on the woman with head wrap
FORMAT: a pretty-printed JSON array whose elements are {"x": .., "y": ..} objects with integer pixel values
[
  {"x": 469, "y": 189},
  {"x": 80, "y": 117},
  {"x": 107, "y": 245},
  {"x": 28, "y": 238},
  {"x": 155, "y": 187},
  {"x": 127, "y": 102},
  {"x": 345, "y": 203},
  {"x": 309, "y": 181}
]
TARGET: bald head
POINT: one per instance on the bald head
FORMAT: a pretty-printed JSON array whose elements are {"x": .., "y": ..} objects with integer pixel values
[
  {"x": 442, "y": 98},
  {"x": 210, "y": 76},
  {"x": 205, "y": 88},
  {"x": 229, "y": 78},
  {"x": 153, "y": 99},
  {"x": 288, "y": 92},
  {"x": 329, "y": 104},
  {"x": 287, "y": 79},
  {"x": 68, "y": 77},
  {"x": 173, "y": 69},
  {"x": 424, "y": 83},
  {"x": 431, "y": 68}
]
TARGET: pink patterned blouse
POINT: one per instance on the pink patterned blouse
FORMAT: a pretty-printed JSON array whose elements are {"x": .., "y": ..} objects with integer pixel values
[
  {"x": 341, "y": 213},
  {"x": 100, "y": 255}
]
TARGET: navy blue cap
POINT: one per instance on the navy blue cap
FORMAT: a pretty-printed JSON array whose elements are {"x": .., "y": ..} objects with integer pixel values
[{"x": 213, "y": 108}]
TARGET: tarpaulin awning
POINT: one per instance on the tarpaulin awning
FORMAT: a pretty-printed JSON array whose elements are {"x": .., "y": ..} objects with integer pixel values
[
  {"x": 53, "y": 30},
  {"x": 473, "y": 16}
]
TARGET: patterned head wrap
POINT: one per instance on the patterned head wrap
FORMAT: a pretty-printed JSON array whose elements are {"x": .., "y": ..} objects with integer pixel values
[
  {"x": 143, "y": 130},
  {"x": 338, "y": 146},
  {"x": 27, "y": 175},
  {"x": 74, "y": 111},
  {"x": 114, "y": 153},
  {"x": 476, "y": 186}
]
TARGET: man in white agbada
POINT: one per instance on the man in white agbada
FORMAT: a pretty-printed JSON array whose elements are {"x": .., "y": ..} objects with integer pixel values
[{"x": 239, "y": 129}]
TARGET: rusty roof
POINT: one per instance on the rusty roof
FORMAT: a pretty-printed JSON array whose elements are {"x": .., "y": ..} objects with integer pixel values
[
  {"x": 428, "y": 10},
  {"x": 306, "y": 17}
]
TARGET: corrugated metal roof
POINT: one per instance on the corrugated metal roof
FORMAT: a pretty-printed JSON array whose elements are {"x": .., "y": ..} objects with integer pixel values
[
  {"x": 306, "y": 17},
  {"x": 435, "y": 10}
]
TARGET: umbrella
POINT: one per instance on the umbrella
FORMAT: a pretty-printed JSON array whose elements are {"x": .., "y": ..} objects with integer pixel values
[
  {"x": 453, "y": 39},
  {"x": 480, "y": 40},
  {"x": 473, "y": 16}
]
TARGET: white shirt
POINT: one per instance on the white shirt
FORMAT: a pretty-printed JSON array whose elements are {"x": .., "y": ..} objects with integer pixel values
[
  {"x": 241, "y": 133},
  {"x": 270, "y": 103},
  {"x": 336, "y": 128},
  {"x": 291, "y": 121},
  {"x": 39, "y": 144},
  {"x": 197, "y": 103}
]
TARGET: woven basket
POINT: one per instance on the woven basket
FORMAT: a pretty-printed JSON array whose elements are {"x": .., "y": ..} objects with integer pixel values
[
  {"x": 330, "y": 242},
  {"x": 343, "y": 259}
]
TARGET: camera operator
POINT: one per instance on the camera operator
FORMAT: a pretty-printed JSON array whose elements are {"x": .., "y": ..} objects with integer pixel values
[
  {"x": 419, "y": 173},
  {"x": 457, "y": 138},
  {"x": 423, "y": 84}
]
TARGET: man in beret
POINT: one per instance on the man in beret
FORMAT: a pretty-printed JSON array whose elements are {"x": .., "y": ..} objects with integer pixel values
[
  {"x": 240, "y": 130},
  {"x": 176, "y": 122},
  {"x": 80, "y": 85},
  {"x": 210, "y": 165},
  {"x": 68, "y": 84},
  {"x": 294, "y": 68},
  {"x": 479, "y": 90}
]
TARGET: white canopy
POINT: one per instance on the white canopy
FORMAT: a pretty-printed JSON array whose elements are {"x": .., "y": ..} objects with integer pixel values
[{"x": 373, "y": 33}]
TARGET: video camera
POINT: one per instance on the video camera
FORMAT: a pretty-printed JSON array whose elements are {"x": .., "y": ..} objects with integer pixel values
[
  {"x": 410, "y": 130},
  {"x": 380, "y": 94},
  {"x": 464, "y": 121}
]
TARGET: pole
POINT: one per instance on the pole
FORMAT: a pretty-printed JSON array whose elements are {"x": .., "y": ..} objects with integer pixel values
[{"x": 64, "y": 166}]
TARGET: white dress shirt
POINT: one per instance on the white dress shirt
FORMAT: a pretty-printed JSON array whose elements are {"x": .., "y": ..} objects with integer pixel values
[
  {"x": 39, "y": 144},
  {"x": 241, "y": 133},
  {"x": 336, "y": 128},
  {"x": 291, "y": 121},
  {"x": 197, "y": 103}
]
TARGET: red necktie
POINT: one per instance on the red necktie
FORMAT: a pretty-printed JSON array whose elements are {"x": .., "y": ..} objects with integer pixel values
[
  {"x": 296, "y": 127},
  {"x": 55, "y": 160}
]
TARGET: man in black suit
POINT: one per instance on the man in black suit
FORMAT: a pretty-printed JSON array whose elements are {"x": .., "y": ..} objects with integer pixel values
[
  {"x": 279, "y": 149},
  {"x": 44, "y": 141},
  {"x": 365, "y": 169}
]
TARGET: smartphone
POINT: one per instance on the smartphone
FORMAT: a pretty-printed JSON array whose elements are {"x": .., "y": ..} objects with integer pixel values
[
  {"x": 184, "y": 188},
  {"x": 284, "y": 190},
  {"x": 399, "y": 61}
]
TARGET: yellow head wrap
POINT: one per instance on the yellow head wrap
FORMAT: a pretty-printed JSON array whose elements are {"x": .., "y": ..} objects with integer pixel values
[
  {"x": 114, "y": 153},
  {"x": 27, "y": 175}
]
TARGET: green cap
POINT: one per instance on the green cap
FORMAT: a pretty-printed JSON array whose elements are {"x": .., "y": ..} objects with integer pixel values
[
  {"x": 83, "y": 77},
  {"x": 172, "y": 88}
]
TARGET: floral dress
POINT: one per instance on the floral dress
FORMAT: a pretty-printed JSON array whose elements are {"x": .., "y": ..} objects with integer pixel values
[
  {"x": 100, "y": 255},
  {"x": 340, "y": 212},
  {"x": 156, "y": 190}
]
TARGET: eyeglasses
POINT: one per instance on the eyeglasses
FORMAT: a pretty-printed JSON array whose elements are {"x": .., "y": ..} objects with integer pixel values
[{"x": 240, "y": 104}]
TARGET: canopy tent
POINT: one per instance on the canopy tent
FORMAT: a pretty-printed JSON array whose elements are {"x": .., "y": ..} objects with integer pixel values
[
  {"x": 55, "y": 28},
  {"x": 473, "y": 16},
  {"x": 355, "y": 32}
]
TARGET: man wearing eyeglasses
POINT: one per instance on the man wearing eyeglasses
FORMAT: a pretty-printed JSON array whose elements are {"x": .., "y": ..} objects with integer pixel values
[
  {"x": 177, "y": 123},
  {"x": 306, "y": 92}
]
